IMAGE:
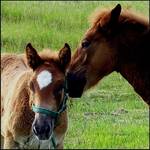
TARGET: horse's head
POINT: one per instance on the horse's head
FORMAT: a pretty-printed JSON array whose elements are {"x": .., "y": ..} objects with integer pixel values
[
  {"x": 47, "y": 87},
  {"x": 95, "y": 57},
  {"x": 107, "y": 46}
]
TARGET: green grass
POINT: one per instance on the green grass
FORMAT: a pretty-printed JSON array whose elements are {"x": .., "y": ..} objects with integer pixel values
[{"x": 111, "y": 115}]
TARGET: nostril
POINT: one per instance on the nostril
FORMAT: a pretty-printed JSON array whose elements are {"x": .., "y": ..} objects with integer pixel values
[
  {"x": 69, "y": 74},
  {"x": 74, "y": 77},
  {"x": 71, "y": 77},
  {"x": 76, "y": 83},
  {"x": 41, "y": 130}
]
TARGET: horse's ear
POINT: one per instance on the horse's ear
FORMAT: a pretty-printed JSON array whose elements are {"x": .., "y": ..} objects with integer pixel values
[
  {"x": 115, "y": 13},
  {"x": 64, "y": 56},
  {"x": 32, "y": 56},
  {"x": 109, "y": 21}
]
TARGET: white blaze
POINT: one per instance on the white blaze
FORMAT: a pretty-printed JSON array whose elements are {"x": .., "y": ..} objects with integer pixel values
[{"x": 44, "y": 78}]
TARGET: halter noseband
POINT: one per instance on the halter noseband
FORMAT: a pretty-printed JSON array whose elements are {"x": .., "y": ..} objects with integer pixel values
[{"x": 53, "y": 114}]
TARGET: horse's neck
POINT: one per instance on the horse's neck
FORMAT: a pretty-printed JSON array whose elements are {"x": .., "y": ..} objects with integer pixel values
[
  {"x": 134, "y": 63},
  {"x": 133, "y": 46},
  {"x": 138, "y": 79}
]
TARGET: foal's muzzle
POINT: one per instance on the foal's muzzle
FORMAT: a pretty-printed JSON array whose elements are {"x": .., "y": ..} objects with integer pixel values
[
  {"x": 43, "y": 127},
  {"x": 76, "y": 84}
]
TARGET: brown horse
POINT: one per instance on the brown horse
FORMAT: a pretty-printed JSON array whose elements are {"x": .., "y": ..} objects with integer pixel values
[
  {"x": 116, "y": 41},
  {"x": 34, "y": 82}
]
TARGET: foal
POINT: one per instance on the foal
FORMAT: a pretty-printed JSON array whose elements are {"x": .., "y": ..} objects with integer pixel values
[
  {"x": 33, "y": 99},
  {"x": 116, "y": 41}
]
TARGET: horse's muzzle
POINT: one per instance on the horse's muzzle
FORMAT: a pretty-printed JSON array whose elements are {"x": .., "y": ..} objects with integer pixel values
[
  {"x": 76, "y": 84},
  {"x": 43, "y": 127}
]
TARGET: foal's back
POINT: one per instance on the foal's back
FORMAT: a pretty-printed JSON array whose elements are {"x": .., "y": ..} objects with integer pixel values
[
  {"x": 12, "y": 62},
  {"x": 12, "y": 66}
]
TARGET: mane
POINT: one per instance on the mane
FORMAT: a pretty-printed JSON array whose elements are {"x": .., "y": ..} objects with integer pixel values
[{"x": 125, "y": 16}]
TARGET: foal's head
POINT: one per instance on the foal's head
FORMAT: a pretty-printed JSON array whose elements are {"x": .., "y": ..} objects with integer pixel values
[
  {"x": 111, "y": 35},
  {"x": 46, "y": 85}
]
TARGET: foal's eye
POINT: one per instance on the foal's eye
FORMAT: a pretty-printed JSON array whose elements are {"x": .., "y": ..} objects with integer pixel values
[
  {"x": 58, "y": 92},
  {"x": 85, "y": 44}
]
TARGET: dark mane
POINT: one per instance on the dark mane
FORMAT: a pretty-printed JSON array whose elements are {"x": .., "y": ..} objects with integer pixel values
[
  {"x": 125, "y": 16},
  {"x": 134, "y": 48}
]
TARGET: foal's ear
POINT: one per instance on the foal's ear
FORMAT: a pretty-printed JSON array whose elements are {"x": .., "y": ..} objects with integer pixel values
[
  {"x": 32, "y": 56},
  {"x": 65, "y": 56}
]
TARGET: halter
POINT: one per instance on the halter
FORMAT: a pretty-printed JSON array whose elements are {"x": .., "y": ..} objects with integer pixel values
[{"x": 51, "y": 113}]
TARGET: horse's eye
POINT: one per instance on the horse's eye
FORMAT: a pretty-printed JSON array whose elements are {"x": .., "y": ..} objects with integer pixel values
[{"x": 85, "y": 44}]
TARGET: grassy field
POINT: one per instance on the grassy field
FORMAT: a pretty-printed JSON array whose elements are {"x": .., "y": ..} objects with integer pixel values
[{"x": 111, "y": 115}]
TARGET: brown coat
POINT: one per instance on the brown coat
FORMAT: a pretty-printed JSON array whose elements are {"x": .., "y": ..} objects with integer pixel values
[{"x": 16, "y": 114}]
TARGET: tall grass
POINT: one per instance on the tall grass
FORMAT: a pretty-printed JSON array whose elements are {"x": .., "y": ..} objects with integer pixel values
[
  {"x": 111, "y": 115},
  {"x": 50, "y": 23}
]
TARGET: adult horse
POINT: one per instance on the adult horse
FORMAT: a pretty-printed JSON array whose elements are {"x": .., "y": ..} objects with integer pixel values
[
  {"x": 33, "y": 99},
  {"x": 116, "y": 41}
]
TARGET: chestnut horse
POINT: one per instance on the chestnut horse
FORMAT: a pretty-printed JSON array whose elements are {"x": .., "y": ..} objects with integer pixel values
[
  {"x": 33, "y": 99},
  {"x": 116, "y": 41}
]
